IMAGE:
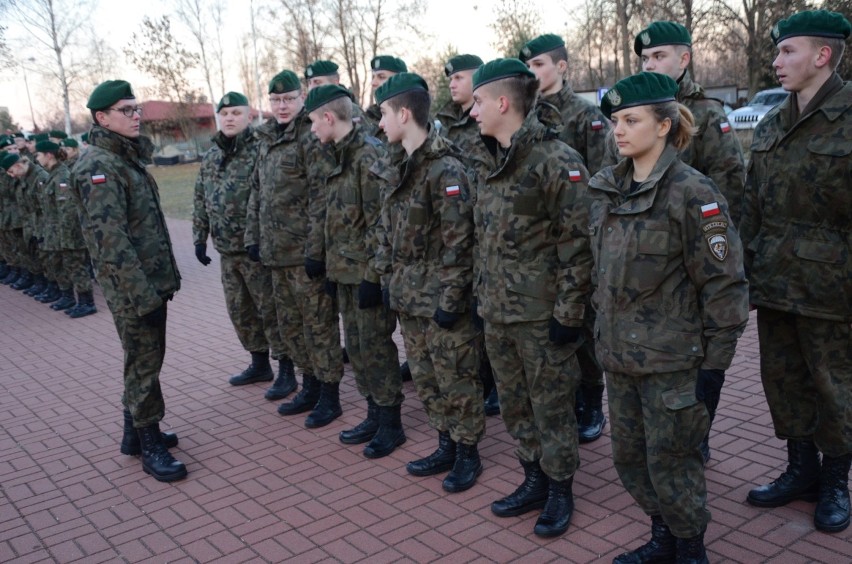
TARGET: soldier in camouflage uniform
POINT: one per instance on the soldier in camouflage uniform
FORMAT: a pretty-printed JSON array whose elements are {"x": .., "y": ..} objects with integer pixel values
[
  {"x": 382, "y": 67},
  {"x": 320, "y": 73},
  {"x": 425, "y": 258},
  {"x": 280, "y": 221},
  {"x": 126, "y": 234},
  {"x": 672, "y": 300},
  {"x": 583, "y": 127},
  {"x": 534, "y": 263},
  {"x": 797, "y": 230},
  {"x": 10, "y": 224},
  {"x": 352, "y": 207},
  {"x": 222, "y": 192},
  {"x": 27, "y": 175}
]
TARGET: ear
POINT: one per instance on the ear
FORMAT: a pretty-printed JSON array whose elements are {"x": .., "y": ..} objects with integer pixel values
[
  {"x": 664, "y": 127},
  {"x": 823, "y": 56},
  {"x": 504, "y": 104},
  {"x": 685, "y": 58},
  {"x": 562, "y": 67}
]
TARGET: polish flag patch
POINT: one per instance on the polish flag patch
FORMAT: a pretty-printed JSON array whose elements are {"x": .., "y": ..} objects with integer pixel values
[
  {"x": 709, "y": 210},
  {"x": 597, "y": 124},
  {"x": 725, "y": 127},
  {"x": 63, "y": 185},
  {"x": 98, "y": 178},
  {"x": 453, "y": 190},
  {"x": 574, "y": 175}
]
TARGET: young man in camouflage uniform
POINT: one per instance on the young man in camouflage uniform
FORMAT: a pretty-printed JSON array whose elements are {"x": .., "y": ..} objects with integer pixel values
[
  {"x": 10, "y": 221},
  {"x": 583, "y": 127},
  {"x": 221, "y": 198},
  {"x": 285, "y": 184},
  {"x": 534, "y": 268},
  {"x": 352, "y": 207},
  {"x": 425, "y": 258},
  {"x": 797, "y": 230},
  {"x": 127, "y": 238},
  {"x": 382, "y": 67},
  {"x": 27, "y": 176}
]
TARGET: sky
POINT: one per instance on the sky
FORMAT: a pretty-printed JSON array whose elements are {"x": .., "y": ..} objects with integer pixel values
[{"x": 468, "y": 30}]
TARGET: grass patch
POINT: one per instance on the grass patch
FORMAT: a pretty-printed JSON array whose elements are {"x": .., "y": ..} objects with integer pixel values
[{"x": 176, "y": 184}]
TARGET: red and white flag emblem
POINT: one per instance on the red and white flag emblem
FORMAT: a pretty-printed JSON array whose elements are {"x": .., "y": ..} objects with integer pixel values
[
  {"x": 597, "y": 124},
  {"x": 709, "y": 210},
  {"x": 725, "y": 127},
  {"x": 453, "y": 190},
  {"x": 574, "y": 175},
  {"x": 98, "y": 178}
]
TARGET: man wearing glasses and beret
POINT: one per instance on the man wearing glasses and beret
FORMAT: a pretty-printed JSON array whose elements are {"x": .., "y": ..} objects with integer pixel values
[{"x": 129, "y": 243}]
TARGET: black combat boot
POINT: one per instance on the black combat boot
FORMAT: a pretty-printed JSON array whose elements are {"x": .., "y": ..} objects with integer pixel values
[
  {"x": 405, "y": 372},
  {"x": 661, "y": 549},
  {"x": 14, "y": 273},
  {"x": 556, "y": 516},
  {"x": 327, "y": 408},
  {"x": 50, "y": 294},
  {"x": 130, "y": 439},
  {"x": 39, "y": 286},
  {"x": 258, "y": 371},
  {"x": 4, "y": 269},
  {"x": 492, "y": 403},
  {"x": 438, "y": 462},
  {"x": 285, "y": 384},
  {"x": 530, "y": 495},
  {"x": 65, "y": 301},
  {"x": 23, "y": 281},
  {"x": 799, "y": 481},
  {"x": 305, "y": 400},
  {"x": 466, "y": 469},
  {"x": 691, "y": 550},
  {"x": 85, "y": 306},
  {"x": 590, "y": 426},
  {"x": 832, "y": 510},
  {"x": 156, "y": 460},
  {"x": 390, "y": 433},
  {"x": 365, "y": 430}
]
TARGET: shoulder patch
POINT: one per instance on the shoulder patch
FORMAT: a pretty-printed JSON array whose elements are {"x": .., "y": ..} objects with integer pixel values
[
  {"x": 718, "y": 244},
  {"x": 725, "y": 127},
  {"x": 99, "y": 178},
  {"x": 453, "y": 190},
  {"x": 575, "y": 175},
  {"x": 374, "y": 141},
  {"x": 709, "y": 210},
  {"x": 597, "y": 124}
]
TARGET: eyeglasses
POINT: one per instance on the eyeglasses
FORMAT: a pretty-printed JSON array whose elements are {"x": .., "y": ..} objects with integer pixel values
[
  {"x": 274, "y": 100},
  {"x": 127, "y": 110}
]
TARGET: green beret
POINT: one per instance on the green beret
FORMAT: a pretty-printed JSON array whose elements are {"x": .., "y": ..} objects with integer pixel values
[
  {"x": 285, "y": 81},
  {"x": 108, "y": 93},
  {"x": 20, "y": 134},
  {"x": 70, "y": 143},
  {"x": 321, "y": 68},
  {"x": 539, "y": 45},
  {"x": 39, "y": 137},
  {"x": 6, "y": 141},
  {"x": 499, "y": 69},
  {"x": 812, "y": 23},
  {"x": 462, "y": 63},
  {"x": 85, "y": 137},
  {"x": 322, "y": 95},
  {"x": 230, "y": 100},
  {"x": 388, "y": 63},
  {"x": 640, "y": 89},
  {"x": 398, "y": 84},
  {"x": 56, "y": 134},
  {"x": 8, "y": 160},
  {"x": 46, "y": 147},
  {"x": 661, "y": 33}
]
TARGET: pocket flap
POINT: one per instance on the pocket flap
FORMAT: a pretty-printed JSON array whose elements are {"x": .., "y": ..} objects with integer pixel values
[
  {"x": 680, "y": 397},
  {"x": 820, "y": 251}
]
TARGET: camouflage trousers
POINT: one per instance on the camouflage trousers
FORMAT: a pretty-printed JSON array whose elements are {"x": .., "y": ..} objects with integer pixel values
[
  {"x": 51, "y": 262},
  {"x": 73, "y": 271},
  {"x": 536, "y": 382},
  {"x": 8, "y": 247},
  {"x": 307, "y": 322},
  {"x": 445, "y": 368},
  {"x": 591, "y": 373},
  {"x": 657, "y": 425},
  {"x": 806, "y": 369},
  {"x": 368, "y": 334},
  {"x": 17, "y": 249},
  {"x": 144, "y": 348},
  {"x": 251, "y": 305}
]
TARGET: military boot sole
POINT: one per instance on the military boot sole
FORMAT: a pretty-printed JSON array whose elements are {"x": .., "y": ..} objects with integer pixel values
[
  {"x": 178, "y": 474},
  {"x": 452, "y": 486},
  {"x": 281, "y": 392},
  {"x": 811, "y": 494},
  {"x": 519, "y": 509},
  {"x": 315, "y": 421},
  {"x": 431, "y": 470},
  {"x": 358, "y": 436},
  {"x": 372, "y": 452},
  {"x": 244, "y": 379},
  {"x": 134, "y": 448},
  {"x": 295, "y": 408},
  {"x": 81, "y": 312},
  {"x": 831, "y": 528}
]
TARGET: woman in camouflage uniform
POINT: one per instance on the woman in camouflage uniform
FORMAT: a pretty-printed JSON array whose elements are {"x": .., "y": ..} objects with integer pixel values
[{"x": 671, "y": 299}]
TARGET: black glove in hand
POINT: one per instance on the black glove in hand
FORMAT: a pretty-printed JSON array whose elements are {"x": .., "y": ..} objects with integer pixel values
[
  {"x": 156, "y": 318},
  {"x": 561, "y": 335},
  {"x": 330, "y": 288},
  {"x": 708, "y": 387},
  {"x": 253, "y": 253},
  {"x": 201, "y": 253},
  {"x": 369, "y": 295},
  {"x": 315, "y": 269},
  {"x": 445, "y": 319}
]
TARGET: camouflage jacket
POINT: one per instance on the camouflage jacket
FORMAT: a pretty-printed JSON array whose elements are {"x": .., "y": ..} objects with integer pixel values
[
  {"x": 28, "y": 195},
  {"x": 425, "y": 252},
  {"x": 580, "y": 124},
  {"x": 715, "y": 150},
  {"x": 222, "y": 192},
  {"x": 670, "y": 289},
  {"x": 797, "y": 212},
  {"x": 371, "y": 118},
  {"x": 287, "y": 177},
  {"x": 123, "y": 225},
  {"x": 69, "y": 234},
  {"x": 49, "y": 189},
  {"x": 462, "y": 130},
  {"x": 532, "y": 231},
  {"x": 353, "y": 208},
  {"x": 10, "y": 214}
]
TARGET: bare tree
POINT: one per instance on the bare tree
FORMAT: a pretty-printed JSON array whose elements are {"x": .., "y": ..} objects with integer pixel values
[{"x": 515, "y": 23}]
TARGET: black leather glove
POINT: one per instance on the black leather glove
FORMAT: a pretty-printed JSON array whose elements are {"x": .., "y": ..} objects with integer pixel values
[
  {"x": 330, "y": 288},
  {"x": 156, "y": 318},
  {"x": 561, "y": 335},
  {"x": 386, "y": 297},
  {"x": 315, "y": 269},
  {"x": 478, "y": 322},
  {"x": 201, "y": 253},
  {"x": 369, "y": 295},
  {"x": 445, "y": 319},
  {"x": 253, "y": 253},
  {"x": 708, "y": 388},
  {"x": 33, "y": 244}
]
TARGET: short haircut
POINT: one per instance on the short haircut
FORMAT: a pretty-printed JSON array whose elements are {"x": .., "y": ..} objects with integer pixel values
[
  {"x": 558, "y": 54},
  {"x": 418, "y": 102},
  {"x": 837, "y": 46},
  {"x": 340, "y": 107},
  {"x": 521, "y": 90}
]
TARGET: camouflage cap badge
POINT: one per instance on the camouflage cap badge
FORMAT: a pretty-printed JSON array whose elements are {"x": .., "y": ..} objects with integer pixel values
[
  {"x": 614, "y": 97},
  {"x": 646, "y": 38}
]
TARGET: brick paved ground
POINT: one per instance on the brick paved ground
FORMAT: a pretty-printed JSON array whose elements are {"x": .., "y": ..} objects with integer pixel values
[{"x": 263, "y": 488}]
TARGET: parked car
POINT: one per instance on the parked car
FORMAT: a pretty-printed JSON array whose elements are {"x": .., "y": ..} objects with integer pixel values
[{"x": 748, "y": 116}]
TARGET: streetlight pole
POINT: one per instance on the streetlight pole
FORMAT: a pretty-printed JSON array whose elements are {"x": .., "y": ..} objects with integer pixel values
[{"x": 27, "y": 86}]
